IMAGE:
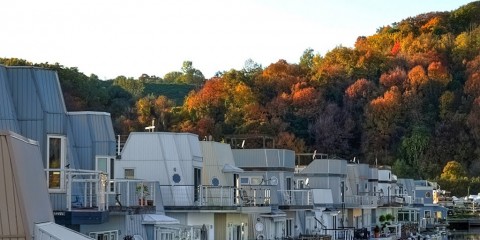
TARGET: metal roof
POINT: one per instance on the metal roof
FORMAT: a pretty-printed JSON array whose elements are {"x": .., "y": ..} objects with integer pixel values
[
  {"x": 52, "y": 231},
  {"x": 23, "y": 186},
  {"x": 33, "y": 106},
  {"x": 8, "y": 117}
]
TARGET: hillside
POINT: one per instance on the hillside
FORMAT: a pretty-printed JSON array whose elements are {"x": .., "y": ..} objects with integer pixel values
[{"x": 407, "y": 96}]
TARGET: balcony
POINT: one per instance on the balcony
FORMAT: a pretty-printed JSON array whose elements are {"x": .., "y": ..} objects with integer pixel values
[
  {"x": 358, "y": 201},
  {"x": 132, "y": 196},
  {"x": 295, "y": 199},
  {"x": 83, "y": 199},
  {"x": 89, "y": 197},
  {"x": 187, "y": 197},
  {"x": 391, "y": 201}
]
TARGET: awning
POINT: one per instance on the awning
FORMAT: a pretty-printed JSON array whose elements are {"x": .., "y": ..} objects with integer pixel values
[
  {"x": 158, "y": 219},
  {"x": 227, "y": 168},
  {"x": 55, "y": 231}
]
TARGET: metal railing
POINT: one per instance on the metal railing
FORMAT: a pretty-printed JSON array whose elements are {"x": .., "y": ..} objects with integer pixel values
[
  {"x": 295, "y": 197},
  {"x": 86, "y": 189},
  {"x": 358, "y": 200},
  {"x": 132, "y": 192},
  {"x": 83, "y": 189},
  {"x": 218, "y": 196},
  {"x": 188, "y": 195},
  {"x": 390, "y": 200}
]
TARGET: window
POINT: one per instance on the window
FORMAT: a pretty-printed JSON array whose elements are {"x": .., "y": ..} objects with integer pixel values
[
  {"x": 427, "y": 214},
  {"x": 256, "y": 180},
  {"x": 106, "y": 235},
  {"x": 197, "y": 181},
  {"x": 56, "y": 158},
  {"x": 288, "y": 227},
  {"x": 129, "y": 173},
  {"x": 428, "y": 194},
  {"x": 215, "y": 181},
  {"x": 105, "y": 164},
  {"x": 251, "y": 180},
  {"x": 403, "y": 216}
]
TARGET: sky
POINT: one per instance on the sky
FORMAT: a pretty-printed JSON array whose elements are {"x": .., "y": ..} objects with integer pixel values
[{"x": 110, "y": 38}]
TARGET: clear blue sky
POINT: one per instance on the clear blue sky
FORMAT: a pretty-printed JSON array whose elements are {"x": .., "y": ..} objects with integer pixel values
[{"x": 118, "y": 37}]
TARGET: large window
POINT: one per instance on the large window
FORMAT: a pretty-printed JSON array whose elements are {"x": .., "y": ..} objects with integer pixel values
[{"x": 56, "y": 158}]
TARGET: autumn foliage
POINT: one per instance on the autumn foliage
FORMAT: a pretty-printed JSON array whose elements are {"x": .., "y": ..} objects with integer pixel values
[{"x": 406, "y": 96}]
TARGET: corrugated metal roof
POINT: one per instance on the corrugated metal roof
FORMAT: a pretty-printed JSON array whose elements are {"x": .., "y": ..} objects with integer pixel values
[
  {"x": 326, "y": 166},
  {"x": 24, "y": 94},
  {"x": 52, "y": 231},
  {"x": 33, "y": 105},
  {"x": 49, "y": 90},
  {"x": 8, "y": 118},
  {"x": 93, "y": 136},
  {"x": 218, "y": 160},
  {"x": 264, "y": 158},
  {"x": 24, "y": 187}
]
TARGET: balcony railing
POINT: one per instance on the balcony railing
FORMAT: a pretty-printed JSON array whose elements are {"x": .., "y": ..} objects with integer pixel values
[
  {"x": 132, "y": 192},
  {"x": 224, "y": 196},
  {"x": 358, "y": 201},
  {"x": 86, "y": 189},
  {"x": 391, "y": 200},
  {"x": 295, "y": 197},
  {"x": 83, "y": 189}
]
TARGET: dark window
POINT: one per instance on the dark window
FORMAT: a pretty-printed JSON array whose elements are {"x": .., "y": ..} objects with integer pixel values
[
  {"x": 176, "y": 178},
  {"x": 215, "y": 181}
]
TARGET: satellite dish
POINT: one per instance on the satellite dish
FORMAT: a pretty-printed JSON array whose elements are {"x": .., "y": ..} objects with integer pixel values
[{"x": 243, "y": 143}]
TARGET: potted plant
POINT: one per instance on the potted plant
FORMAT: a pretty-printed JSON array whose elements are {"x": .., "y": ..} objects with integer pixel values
[{"x": 142, "y": 193}]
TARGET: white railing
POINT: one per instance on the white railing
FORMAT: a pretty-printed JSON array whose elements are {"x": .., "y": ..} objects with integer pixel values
[
  {"x": 391, "y": 200},
  {"x": 218, "y": 196},
  {"x": 86, "y": 186},
  {"x": 132, "y": 192},
  {"x": 296, "y": 197},
  {"x": 188, "y": 195},
  {"x": 255, "y": 195},
  {"x": 358, "y": 200},
  {"x": 86, "y": 189}
]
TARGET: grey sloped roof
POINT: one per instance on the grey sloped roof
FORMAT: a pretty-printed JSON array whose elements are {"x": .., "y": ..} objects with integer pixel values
[
  {"x": 326, "y": 166},
  {"x": 23, "y": 186},
  {"x": 8, "y": 117},
  {"x": 93, "y": 135},
  {"x": 32, "y": 105}
]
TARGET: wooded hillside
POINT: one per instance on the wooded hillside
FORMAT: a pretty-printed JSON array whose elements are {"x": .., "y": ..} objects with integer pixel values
[{"x": 407, "y": 96}]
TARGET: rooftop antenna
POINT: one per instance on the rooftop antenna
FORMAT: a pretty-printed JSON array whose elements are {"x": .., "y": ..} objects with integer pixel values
[{"x": 152, "y": 127}]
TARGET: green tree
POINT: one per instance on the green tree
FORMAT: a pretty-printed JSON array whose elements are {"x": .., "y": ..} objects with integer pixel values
[
  {"x": 191, "y": 75},
  {"x": 130, "y": 85}
]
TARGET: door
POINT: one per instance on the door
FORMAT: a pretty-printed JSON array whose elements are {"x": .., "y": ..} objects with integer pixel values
[{"x": 105, "y": 164}]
